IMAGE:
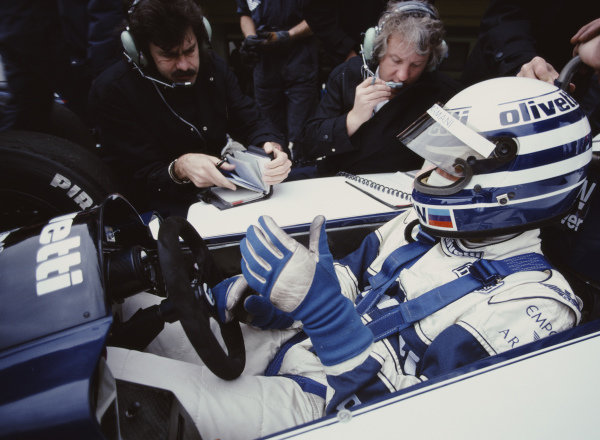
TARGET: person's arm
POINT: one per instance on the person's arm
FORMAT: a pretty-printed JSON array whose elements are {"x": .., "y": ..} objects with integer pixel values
[
  {"x": 516, "y": 311},
  {"x": 301, "y": 30},
  {"x": 247, "y": 25},
  {"x": 325, "y": 132},
  {"x": 302, "y": 282},
  {"x": 539, "y": 68},
  {"x": 126, "y": 145},
  {"x": 369, "y": 93},
  {"x": 129, "y": 147},
  {"x": 344, "y": 107}
]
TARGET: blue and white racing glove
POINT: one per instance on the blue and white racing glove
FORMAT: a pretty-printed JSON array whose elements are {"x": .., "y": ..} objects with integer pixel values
[
  {"x": 235, "y": 300},
  {"x": 303, "y": 283}
]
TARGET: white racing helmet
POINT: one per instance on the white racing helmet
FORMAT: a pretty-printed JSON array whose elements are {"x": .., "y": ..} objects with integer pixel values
[{"x": 519, "y": 149}]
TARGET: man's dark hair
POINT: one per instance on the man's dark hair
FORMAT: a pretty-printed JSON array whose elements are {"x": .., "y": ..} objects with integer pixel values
[{"x": 165, "y": 23}]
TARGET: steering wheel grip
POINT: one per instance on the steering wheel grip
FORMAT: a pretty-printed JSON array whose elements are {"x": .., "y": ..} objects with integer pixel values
[{"x": 194, "y": 304}]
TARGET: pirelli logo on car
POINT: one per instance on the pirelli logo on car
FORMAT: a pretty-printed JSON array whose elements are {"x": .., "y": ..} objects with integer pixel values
[{"x": 58, "y": 257}]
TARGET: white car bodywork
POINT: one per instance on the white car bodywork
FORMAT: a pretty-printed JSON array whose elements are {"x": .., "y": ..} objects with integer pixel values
[{"x": 546, "y": 393}]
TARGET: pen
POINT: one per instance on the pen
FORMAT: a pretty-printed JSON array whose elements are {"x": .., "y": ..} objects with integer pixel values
[{"x": 221, "y": 162}]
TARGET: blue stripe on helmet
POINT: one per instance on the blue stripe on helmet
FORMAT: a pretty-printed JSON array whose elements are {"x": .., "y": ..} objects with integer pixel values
[
  {"x": 510, "y": 216},
  {"x": 488, "y": 195},
  {"x": 551, "y": 155}
]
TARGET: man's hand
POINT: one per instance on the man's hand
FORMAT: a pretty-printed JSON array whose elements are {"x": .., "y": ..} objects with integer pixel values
[
  {"x": 590, "y": 53},
  {"x": 539, "y": 68},
  {"x": 278, "y": 169},
  {"x": 369, "y": 93},
  {"x": 587, "y": 32},
  {"x": 202, "y": 170}
]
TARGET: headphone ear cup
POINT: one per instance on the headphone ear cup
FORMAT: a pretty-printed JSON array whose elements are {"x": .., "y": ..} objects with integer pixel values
[
  {"x": 443, "y": 56},
  {"x": 131, "y": 49},
  {"x": 208, "y": 27},
  {"x": 369, "y": 43}
]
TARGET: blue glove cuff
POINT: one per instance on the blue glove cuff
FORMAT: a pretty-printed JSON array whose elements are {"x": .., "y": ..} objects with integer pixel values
[{"x": 335, "y": 329}]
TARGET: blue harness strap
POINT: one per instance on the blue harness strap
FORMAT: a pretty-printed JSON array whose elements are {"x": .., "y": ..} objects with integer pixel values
[
  {"x": 307, "y": 385},
  {"x": 482, "y": 273},
  {"x": 404, "y": 256}
]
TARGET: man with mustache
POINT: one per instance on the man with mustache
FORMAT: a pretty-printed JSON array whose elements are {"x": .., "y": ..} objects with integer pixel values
[{"x": 164, "y": 117}]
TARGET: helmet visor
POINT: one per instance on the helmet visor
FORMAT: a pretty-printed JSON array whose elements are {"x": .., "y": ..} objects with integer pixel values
[{"x": 440, "y": 138}]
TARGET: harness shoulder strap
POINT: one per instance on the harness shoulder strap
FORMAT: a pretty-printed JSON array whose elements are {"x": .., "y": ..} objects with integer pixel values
[
  {"x": 482, "y": 273},
  {"x": 404, "y": 256}
]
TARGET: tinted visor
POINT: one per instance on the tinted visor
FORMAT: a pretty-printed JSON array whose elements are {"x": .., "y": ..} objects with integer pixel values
[{"x": 443, "y": 140}]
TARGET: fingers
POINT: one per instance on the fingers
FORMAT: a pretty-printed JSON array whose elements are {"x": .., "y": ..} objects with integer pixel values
[
  {"x": 276, "y": 235},
  {"x": 317, "y": 231},
  {"x": 538, "y": 68},
  {"x": 370, "y": 81},
  {"x": 252, "y": 267},
  {"x": 590, "y": 52},
  {"x": 586, "y": 32},
  {"x": 202, "y": 170},
  {"x": 278, "y": 169},
  {"x": 368, "y": 95},
  {"x": 270, "y": 147},
  {"x": 217, "y": 178},
  {"x": 372, "y": 85},
  {"x": 261, "y": 245},
  {"x": 263, "y": 250}
]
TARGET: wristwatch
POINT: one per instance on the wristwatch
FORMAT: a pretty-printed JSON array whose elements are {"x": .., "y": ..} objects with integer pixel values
[{"x": 173, "y": 176}]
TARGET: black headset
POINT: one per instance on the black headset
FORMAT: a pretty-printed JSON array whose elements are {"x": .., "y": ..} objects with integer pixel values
[
  {"x": 137, "y": 57},
  {"x": 407, "y": 7}
]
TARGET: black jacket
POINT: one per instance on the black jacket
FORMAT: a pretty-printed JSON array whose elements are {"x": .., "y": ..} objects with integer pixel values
[
  {"x": 373, "y": 147},
  {"x": 140, "y": 135}
]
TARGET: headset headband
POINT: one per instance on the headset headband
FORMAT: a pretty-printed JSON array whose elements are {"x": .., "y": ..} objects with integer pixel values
[{"x": 406, "y": 8}]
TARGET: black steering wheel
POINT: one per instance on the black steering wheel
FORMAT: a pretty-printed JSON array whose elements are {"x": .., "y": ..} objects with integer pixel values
[{"x": 193, "y": 301}]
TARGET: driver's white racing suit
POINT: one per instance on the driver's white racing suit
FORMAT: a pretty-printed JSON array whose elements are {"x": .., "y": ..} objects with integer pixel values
[{"x": 521, "y": 308}]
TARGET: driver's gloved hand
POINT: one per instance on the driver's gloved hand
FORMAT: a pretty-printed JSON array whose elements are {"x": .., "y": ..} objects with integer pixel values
[
  {"x": 303, "y": 283},
  {"x": 235, "y": 300}
]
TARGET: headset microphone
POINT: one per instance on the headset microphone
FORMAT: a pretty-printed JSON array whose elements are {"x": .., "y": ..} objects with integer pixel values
[
  {"x": 394, "y": 84},
  {"x": 173, "y": 85},
  {"x": 367, "y": 72}
]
